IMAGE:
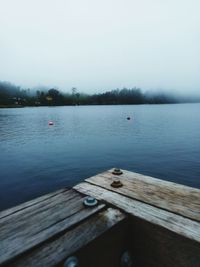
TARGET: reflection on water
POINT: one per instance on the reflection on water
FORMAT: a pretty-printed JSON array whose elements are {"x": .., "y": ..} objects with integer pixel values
[{"x": 158, "y": 140}]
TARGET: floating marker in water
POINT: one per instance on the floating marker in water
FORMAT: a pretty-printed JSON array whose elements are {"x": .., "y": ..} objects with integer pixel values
[
  {"x": 50, "y": 122},
  {"x": 128, "y": 118}
]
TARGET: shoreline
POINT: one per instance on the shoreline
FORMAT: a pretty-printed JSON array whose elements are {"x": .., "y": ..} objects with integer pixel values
[{"x": 21, "y": 106}]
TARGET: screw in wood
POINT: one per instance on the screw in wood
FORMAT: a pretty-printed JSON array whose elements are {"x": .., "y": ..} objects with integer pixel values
[
  {"x": 126, "y": 260},
  {"x": 90, "y": 201},
  {"x": 117, "y": 171},
  {"x": 71, "y": 262},
  {"x": 116, "y": 183}
]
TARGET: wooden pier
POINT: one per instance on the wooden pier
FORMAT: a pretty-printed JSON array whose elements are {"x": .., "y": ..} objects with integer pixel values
[{"x": 154, "y": 222}]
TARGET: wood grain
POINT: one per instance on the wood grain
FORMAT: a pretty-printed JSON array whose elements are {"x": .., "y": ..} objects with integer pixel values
[
  {"x": 30, "y": 203},
  {"x": 46, "y": 230},
  {"x": 52, "y": 253},
  {"x": 28, "y": 228},
  {"x": 173, "y": 222},
  {"x": 173, "y": 197}
]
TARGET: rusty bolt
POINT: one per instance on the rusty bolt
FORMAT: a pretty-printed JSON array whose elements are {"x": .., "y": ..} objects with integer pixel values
[
  {"x": 117, "y": 171},
  {"x": 116, "y": 183}
]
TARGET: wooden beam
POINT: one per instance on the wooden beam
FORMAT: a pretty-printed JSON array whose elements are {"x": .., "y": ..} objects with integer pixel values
[
  {"x": 56, "y": 250},
  {"x": 27, "y": 228},
  {"x": 173, "y": 197},
  {"x": 173, "y": 222},
  {"x": 30, "y": 203},
  {"x": 154, "y": 246}
]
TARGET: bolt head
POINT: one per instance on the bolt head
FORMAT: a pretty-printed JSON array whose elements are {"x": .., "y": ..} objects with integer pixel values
[
  {"x": 116, "y": 183},
  {"x": 71, "y": 262},
  {"x": 90, "y": 201},
  {"x": 126, "y": 260},
  {"x": 117, "y": 171}
]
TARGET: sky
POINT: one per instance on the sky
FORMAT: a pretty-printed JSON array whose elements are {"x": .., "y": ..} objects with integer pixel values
[{"x": 101, "y": 45}]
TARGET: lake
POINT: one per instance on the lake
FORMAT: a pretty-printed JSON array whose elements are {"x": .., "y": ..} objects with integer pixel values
[{"x": 159, "y": 140}]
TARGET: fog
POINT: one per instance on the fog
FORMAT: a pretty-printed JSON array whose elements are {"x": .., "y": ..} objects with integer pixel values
[{"x": 101, "y": 45}]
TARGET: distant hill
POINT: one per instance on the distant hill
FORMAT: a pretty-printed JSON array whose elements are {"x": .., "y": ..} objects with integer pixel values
[{"x": 15, "y": 96}]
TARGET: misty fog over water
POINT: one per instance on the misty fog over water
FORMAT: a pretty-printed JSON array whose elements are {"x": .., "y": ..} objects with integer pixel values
[
  {"x": 85, "y": 67},
  {"x": 97, "y": 46}
]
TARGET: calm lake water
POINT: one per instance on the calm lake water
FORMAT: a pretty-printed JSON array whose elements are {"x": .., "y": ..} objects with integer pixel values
[{"x": 160, "y": 140}]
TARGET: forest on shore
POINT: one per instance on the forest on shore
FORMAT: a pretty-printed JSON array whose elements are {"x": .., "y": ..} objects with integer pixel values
[{"x": 15, "y": 96}]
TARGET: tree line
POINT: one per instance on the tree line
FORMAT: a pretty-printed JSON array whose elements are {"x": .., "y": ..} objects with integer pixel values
[{"x": 12, "y": 95}]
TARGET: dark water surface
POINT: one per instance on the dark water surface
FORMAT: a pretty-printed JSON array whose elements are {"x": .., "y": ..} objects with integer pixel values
[{"x": 160, "y": 140}]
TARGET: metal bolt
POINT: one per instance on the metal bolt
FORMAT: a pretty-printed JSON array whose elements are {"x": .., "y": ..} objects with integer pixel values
[
  {"x": 71, "y": 262},
  {"x": 90, "y": 201},
  {"x": 126, "y": 260},
  {"x": 117, "y": 172},
  {"x": 116, "y": 183}
]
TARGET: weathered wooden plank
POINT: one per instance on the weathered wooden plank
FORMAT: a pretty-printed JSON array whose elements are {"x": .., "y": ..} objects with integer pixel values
[
  {"x": 173, "y": 222},
  {"x": 30, "y": 203},
  {"x": 44, "y": 231},
  {"x": 30, "y": 216},
  {"x": 56, "y": 250},
  {"x": 23, "y": 230},
  {"x": 173, "y": 197}
]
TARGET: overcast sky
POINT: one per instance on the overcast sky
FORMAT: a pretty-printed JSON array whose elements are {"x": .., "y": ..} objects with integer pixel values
[{"x": 99, "y": 45}]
